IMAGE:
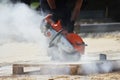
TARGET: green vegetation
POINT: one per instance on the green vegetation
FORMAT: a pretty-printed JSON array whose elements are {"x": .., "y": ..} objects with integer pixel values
[{"x": 34, "y": 5}]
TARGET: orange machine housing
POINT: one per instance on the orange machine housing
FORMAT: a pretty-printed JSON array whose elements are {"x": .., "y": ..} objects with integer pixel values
[{"x": 75, "y": 40}]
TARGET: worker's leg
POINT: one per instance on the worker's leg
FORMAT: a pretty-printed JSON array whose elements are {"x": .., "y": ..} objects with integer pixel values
[
  {"x": 63, "y": 14},
  {"x": 67, "y": 23},
  {"x": 44, "y": 7}
]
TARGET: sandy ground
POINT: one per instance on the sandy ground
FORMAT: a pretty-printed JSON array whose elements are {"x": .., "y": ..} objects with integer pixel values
[
  {"x": 102, "y": 44},
  {"x": 107, "y": 76},
  {"x": 21, "y": 51},
  {"x": 12, "y": 52}
]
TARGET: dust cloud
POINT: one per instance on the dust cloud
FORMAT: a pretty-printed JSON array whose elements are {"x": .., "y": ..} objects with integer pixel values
[{"x": 18, "y": 22}]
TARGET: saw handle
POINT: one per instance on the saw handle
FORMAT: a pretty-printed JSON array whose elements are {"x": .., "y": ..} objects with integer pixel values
[{"x": 56, "y": 26}]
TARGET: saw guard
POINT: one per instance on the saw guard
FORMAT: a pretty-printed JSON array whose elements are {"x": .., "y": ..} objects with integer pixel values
[{"x": 76, "y": 42}]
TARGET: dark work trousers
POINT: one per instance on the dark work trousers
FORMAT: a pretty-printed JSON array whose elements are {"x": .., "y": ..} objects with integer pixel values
[{"x": 62, "y": 12}]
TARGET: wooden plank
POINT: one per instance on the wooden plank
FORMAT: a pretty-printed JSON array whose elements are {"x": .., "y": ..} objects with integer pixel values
[
  {"x": 19, "y": 68},
  {"x": 62, "y": 63},
  {"x": 102, "y": 56},
  {"x": 113, "y": 56},
  {"x": 98, "y": 56}
]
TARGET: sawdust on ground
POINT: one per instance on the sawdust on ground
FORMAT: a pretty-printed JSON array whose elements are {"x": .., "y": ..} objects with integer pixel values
[{"x": 107, "y": 76}]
